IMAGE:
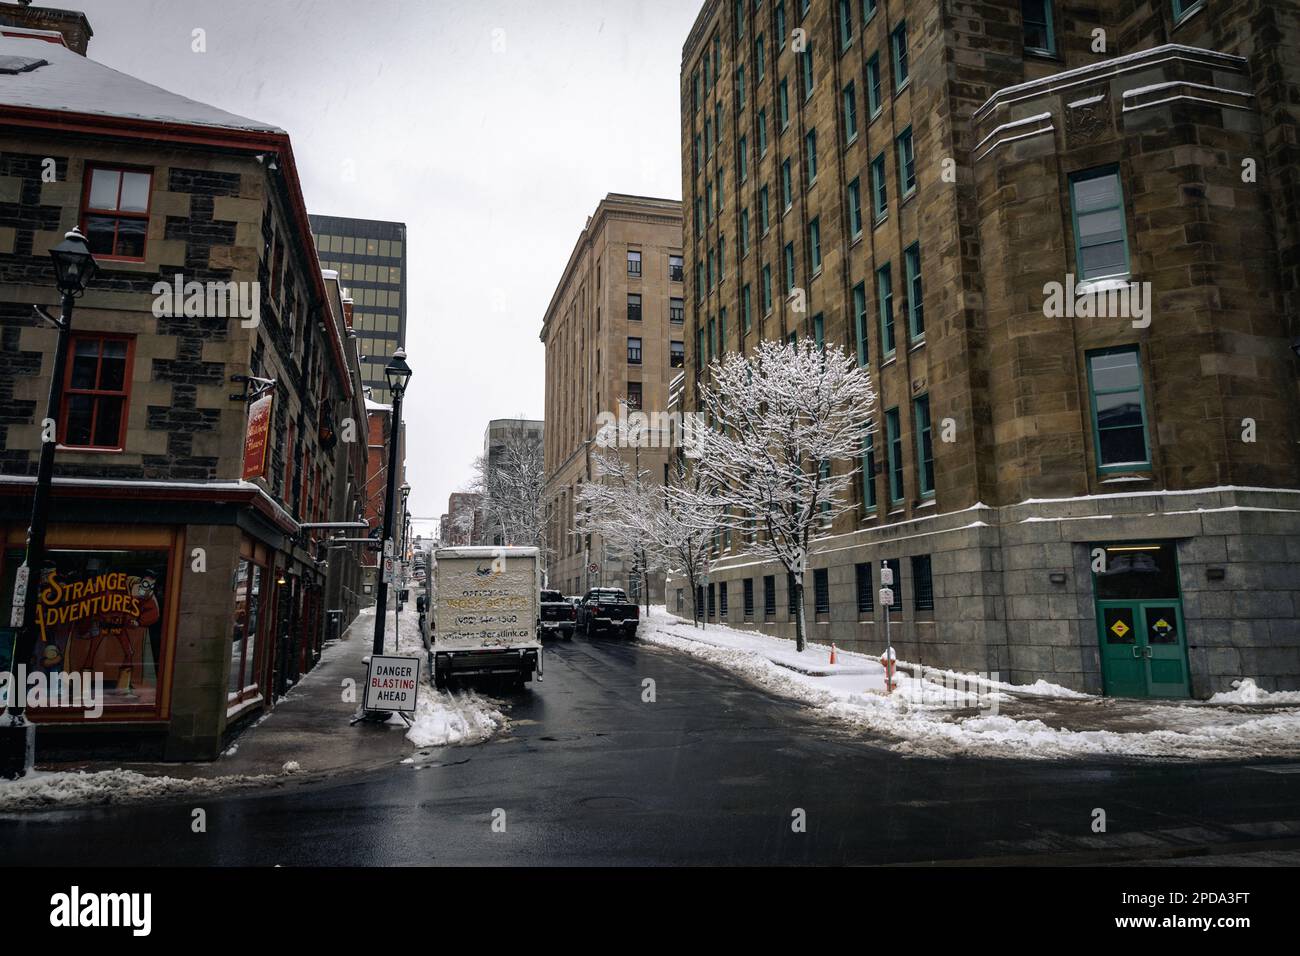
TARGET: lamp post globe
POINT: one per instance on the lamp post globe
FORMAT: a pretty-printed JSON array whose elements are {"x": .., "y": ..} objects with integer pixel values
[
  {"x": 397, "y": 372},
  {"x": 74, "y": 266}
]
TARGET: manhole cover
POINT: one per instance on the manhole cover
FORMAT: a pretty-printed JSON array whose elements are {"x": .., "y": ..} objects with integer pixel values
[{"x": 609, "y": 803}]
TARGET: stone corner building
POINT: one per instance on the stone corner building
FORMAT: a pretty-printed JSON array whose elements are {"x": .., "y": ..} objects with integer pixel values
[
  {"x": 1105, "y": 494},
  {"x": 613, "y": 332},
  {"x": 181, "y": 576}
]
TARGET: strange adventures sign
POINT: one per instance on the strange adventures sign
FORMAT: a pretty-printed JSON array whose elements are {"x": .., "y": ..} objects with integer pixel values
[{"x": 255, "y": 438}]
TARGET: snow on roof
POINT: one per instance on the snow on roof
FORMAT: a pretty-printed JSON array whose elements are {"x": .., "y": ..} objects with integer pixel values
[
  {"x": 372, "y": 406},
  {"x": 74, "y": 84}
]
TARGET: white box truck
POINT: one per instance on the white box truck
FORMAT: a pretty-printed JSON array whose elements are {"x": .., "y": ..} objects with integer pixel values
[{"x": 485, "y": 608}]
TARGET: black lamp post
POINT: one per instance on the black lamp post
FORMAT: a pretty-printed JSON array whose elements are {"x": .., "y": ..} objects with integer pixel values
[
  {"x": 398, "y": 374},
  {"x": 74, "y": 267}
]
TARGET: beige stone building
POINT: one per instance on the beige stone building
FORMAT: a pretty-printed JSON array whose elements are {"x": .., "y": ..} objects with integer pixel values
[
  {"x": 1107, "y": 500},
  {"x": 614, "y": 331}
]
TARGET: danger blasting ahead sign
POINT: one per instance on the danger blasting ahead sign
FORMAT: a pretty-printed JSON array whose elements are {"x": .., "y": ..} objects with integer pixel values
[{"x": 392, "y": 683}]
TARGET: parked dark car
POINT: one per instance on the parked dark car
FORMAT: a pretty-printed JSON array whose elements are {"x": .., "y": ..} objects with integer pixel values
[
  {"x": 607, "y": 609},
  {"x": 555, "y": 615}
]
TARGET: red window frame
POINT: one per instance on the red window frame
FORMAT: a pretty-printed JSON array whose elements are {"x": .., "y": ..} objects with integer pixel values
[
  {"x": 87, "y": 210},
  {"x": 251, "y": 676},
  {"x": 97, "y": 393}
]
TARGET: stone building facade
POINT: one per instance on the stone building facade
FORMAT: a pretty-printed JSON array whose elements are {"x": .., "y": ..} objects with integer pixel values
[
  {"x": 1063, "y": 238},
  {"x": 614, "y": 333},
  {"x": 155, "y": 488}
]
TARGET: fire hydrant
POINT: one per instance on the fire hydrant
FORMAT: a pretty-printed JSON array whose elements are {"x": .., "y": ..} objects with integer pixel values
[{"x": 888, "y": 659}]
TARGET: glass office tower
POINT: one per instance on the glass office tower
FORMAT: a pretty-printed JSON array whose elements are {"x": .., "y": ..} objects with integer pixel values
[{"x": 370, "y": 258}]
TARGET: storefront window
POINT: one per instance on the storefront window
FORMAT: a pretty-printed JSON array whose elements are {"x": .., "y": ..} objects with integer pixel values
[
  {"x": 99, "y": 612},
  {"x": 245, "y": 629}
]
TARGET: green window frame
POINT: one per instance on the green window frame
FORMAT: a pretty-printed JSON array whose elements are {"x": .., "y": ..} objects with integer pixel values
[
  {"x": 708, "y": 138},
  {"x": 789, "y": 268},
  {"x": 898, "y": 46},
  {"x": 849, "y": 99},
  {"x": 810, "y": 154},
  {"x": 740, "y": 19},
  {"x": 885, "y": 295},
  {"x": 819, "y": 334},
  {"x": 846, "y": 24},
  {"x": 746, "y": 310},
  {"x": 815, "y": 244},
  {"x": 742, "y": 159},
  {"x": 764, "y": 215},
  {"x": 1036, "y": 26},
  {"x": 879, "y": 190},
  {"x": 860, "y": 321},
  {"x": 906, "y": 163},
  {"x": 1183, "y": 7},
  {"x": 722, "y": 331},
  {"x": 740, "y": 87},
  {"x": 1118, "y": 402},
  {"x": 1101, "y": 248},
  {"x": 854, "y": 192},
  {"x": 762, "y": 133},
  {"x": 787, "y": 187},
  {"x": 924, "y": 446},
  {"x": 713, "y": 339},
  {"x": 894, "y": 455},
  {"x": 915, "y": 301},
  {"x": 869, "y": 473},
  {"x": 744, "y": 232},
  {"x": 712, "y": 266},
  {"x": 767, "y": 289},
  {"x": 722, "y": 258},
  {"x": 783, "y": 105},
  {"x": 708, "y": 202},
  {"x": 760, "y": 59},
  {"x": 868, "y": 10},
  {"x": 780, "y": 24},
  {"x": 806, "y": 70},
  {"x": 875, "y": 98}
]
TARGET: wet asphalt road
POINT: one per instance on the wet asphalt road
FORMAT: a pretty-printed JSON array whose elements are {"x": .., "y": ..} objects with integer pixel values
[{"x": 710, "y": 773}]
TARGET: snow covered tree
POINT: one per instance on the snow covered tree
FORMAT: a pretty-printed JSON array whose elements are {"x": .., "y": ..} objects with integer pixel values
[
  {"x": 668, "y": 526},
  {"x": 778, "y": 422},
  {"x": 511, "y": 483}
]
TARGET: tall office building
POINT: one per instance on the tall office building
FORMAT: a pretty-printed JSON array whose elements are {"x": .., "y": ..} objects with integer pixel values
[
  {"x": 370, "y": 258},
  {"x": 1098, "y": 489},
  {"x": 614, "y": 333}
]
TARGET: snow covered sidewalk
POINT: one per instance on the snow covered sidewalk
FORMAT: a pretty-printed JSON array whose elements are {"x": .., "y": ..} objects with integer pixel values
[
  {"x": 944, "y": 714},
  {"x": 306, "y": 737}
]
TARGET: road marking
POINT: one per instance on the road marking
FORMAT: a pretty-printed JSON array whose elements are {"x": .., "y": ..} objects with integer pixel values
[{"x": 1278, "y": 768}]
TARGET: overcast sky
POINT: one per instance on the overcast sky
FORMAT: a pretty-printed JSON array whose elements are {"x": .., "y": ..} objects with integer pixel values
[{"x": 490, "y": 127}]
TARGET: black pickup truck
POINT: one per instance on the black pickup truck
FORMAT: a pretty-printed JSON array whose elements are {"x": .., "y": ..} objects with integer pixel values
[
  {"x": 607, "y": 609},
  {"x": 555, "y": 615}
]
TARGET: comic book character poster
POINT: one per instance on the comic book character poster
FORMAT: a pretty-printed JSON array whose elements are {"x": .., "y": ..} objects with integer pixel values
[{"x": 101, "y": 612}]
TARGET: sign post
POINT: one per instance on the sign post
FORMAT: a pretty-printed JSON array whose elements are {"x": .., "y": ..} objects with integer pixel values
[{"x": 887, "y": 601}]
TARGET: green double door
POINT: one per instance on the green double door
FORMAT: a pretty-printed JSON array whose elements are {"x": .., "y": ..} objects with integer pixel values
[{"x": 1143, "y": 648}]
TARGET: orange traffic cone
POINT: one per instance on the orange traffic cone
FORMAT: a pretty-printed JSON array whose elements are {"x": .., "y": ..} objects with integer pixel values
[{"x": 832, "y": 653}]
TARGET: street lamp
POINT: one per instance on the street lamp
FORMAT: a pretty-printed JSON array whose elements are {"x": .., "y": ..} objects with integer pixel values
[
  {"x": 74, "y": 267},
  {"x": 398, "y": 373}
]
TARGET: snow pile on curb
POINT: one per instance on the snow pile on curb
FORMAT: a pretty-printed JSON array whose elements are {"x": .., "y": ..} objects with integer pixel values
[
  {"x": 925, "y": 718},
  {"x": 1246, "y": 691},
  {"x": 444, "y": 717},
  {"x": 40, "y": 790}
]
